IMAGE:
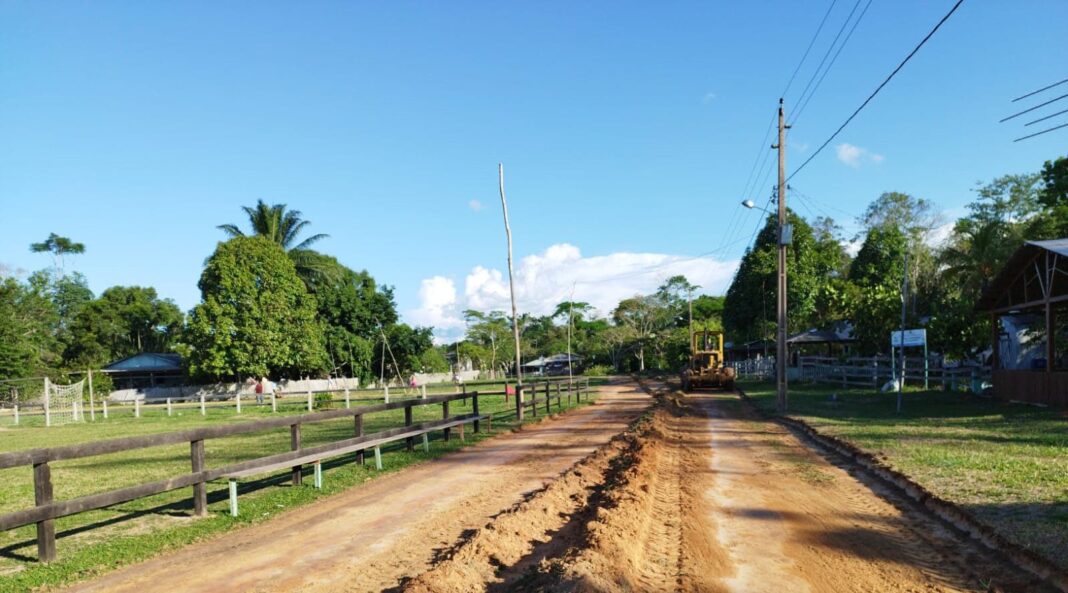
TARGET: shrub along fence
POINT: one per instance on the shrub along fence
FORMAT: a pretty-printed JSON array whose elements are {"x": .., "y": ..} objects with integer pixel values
[{"x": 47, "y": 509}]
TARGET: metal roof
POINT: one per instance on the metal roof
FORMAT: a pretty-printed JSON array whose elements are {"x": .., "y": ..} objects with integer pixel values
[
  {"x": 1027, "y": 252},
  {"x": 146, "y": 362}
]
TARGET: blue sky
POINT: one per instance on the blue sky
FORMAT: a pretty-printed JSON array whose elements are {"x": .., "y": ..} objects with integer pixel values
[{"x": 627, "y": 131}]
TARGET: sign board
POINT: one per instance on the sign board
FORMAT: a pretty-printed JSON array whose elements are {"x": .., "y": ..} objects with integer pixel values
[{"x": 910, "y": 337}]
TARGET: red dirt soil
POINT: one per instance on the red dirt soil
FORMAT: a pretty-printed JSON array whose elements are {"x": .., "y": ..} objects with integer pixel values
[{"x": 698, "y": 495}]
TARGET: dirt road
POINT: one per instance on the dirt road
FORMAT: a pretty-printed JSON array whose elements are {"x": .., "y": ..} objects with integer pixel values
[
  {"x": 708, "y": 497},
  {"x": 699, "y": 496},
  {"x": 367, "y": 539}
]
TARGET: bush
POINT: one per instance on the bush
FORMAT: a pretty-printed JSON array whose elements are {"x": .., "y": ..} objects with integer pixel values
[{"x": 599, "y": 370}]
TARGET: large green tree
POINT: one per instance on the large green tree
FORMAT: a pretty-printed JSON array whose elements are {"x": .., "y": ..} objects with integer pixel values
[
  {"x": 352, "y": 308},
  {"x": 749, "y": 307},
  {"x": 27, "y": 338},
  {"x": 256, "y": 317},
  {"x": 123, "y": 321},
  {"x": 283, "y": 227}
]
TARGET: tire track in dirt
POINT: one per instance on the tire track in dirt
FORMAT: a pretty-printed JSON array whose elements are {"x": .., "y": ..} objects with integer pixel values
[{"x": 823, "y": 525}]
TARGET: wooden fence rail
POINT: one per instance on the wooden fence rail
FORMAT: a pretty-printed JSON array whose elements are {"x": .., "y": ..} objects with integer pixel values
[
  {"x": 576, "y": 388},
  {"x": 874, "y": 372},
  {"x": 46, "y": 509},
  {"x": 309, "y": 398}
]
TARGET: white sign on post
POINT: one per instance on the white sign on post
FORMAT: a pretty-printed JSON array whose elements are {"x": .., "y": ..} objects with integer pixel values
[{"x": 909, "y": 337}]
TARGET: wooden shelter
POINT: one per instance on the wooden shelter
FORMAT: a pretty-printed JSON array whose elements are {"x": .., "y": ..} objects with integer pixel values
[{"x": 1032, "y": 286}]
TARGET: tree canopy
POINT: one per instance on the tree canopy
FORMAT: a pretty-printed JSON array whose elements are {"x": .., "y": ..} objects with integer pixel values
[{"x": 256, "y": 317}]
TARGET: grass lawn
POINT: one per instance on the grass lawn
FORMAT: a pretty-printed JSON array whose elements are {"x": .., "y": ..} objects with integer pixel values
[
  {"x": 1006, "y": 463},
  {"x": 97, "y": 541}
]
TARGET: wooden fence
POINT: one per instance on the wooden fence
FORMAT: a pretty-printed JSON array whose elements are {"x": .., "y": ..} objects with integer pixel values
[
  {"x": 874, "y": 372},
  {"x": 237, "y": 401},
  {"x": 47, "y": 509}
]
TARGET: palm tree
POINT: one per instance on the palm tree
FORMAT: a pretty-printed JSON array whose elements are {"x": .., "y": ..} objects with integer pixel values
[{"x": 283, "y": 227}]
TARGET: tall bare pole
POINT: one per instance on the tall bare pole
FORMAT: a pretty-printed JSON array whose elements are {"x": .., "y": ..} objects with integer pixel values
[
  {"x": 570, "y": 317},
  {"x": 511, "y": 278},
  {"x": 780, "y": 342}
]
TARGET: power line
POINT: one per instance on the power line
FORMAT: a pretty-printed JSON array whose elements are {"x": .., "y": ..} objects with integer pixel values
[
  {"x": 1045, "y": 118},
  {"x": 1045, "y": 88},
  {"x": 879, "y": 88},
  {"x": 1032, "y": 109},
  {"x": 830, "y": 48},
  {"x": 797, "y": 114},
  {"x": 1042, "y": 132},
  {"x": 758, "y": 164},
  {"x": 809, "y": 48}
]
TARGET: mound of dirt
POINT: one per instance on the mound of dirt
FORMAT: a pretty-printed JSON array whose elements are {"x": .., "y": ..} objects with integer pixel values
[{"x": 622, "y": 519}]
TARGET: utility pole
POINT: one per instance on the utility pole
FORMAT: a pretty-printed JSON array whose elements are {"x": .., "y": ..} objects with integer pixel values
[
  {"x": 785, "y": 235},
  {"x": 904, "y": 301},
  {"x": 511, "y": 281}
]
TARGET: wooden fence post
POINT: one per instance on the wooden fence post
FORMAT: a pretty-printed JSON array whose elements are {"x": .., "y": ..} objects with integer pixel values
[
  {"x": 548, "y": 400},
  {"x": 168, "y": 406},
  {"x": 16, "y": 414},
  {"x": 474, "y": 408},
  {"x": 200, "y": 489},
  {"x": 358, "y": 419},
  {"x": 203, "y": 408},
  {"x": 347, "y": 403},
  {"x": 410, "y": 441},
  {"x": 48, "y": 411},
  {"x": 274, "y": 403},
  {"x": 137, "y": 408},
  {"x": 310, "y": 403},
  {"x": 238, "y": 402},
  {"x": 105, "y": 402},
  {"x": 42, "y": 495},
  {"x": 518, "y": 400},
  {"x": 92, "y": 406},
  {"x": 447, "y": 433},
  {"x": 294, "y": 444}
]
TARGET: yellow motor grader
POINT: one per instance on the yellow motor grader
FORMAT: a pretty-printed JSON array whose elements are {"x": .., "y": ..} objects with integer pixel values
[{"x": 706, "y": 368}]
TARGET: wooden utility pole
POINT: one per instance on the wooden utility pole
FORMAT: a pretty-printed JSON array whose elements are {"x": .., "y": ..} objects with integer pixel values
[
  {"x": 570, "y": 317},
  {"x": 904, "y": 301},
  {"x": 784, "y": 239},
  {"x": 511, "y": 281}
]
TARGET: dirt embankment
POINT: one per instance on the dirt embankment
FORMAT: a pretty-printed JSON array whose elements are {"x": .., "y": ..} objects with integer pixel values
[{"x": 629, "y": 517}]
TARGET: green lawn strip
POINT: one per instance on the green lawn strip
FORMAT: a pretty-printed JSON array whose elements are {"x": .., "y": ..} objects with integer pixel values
[
  {"x": 98, "y": 541},
  {"x": 1006, "y": 463}
]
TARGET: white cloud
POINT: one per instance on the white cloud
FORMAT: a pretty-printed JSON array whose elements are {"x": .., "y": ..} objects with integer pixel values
[
  {"x": 940, "y": 235},
  {"x": 475, "y": 205},
  {"x": 545, "y": 279},
  {"x": 7, "y": 271},
  {"x": 438, "y": 305},
  {"x": 854, "y": 156},
  {"x": 708, "y": 98}
]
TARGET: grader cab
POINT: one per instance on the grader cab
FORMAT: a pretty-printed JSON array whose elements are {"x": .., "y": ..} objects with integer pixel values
[{"x": 706, "y": 368}]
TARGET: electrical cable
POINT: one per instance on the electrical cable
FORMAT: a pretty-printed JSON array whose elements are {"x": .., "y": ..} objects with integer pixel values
[
  {"x": 879, "y": 88},
  {"x": 1032, "y": 109},
  {"x": 1045, "y": 88},
  {"x": 1042, "y": 132},
  {"x": 801, "y": 109},
  {"x": 830, "y": 48},
  {"x": 1045, "y": 118},
  {"x": 809, "y": 48}
]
